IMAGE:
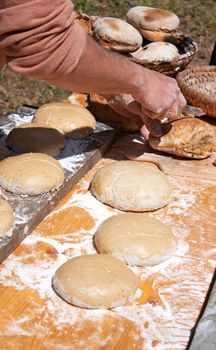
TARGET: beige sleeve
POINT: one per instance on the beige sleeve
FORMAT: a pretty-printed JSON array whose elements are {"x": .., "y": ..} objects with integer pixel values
[{"x": 40, "y": 38}]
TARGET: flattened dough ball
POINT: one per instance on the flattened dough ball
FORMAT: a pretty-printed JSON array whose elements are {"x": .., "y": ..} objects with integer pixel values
[
  {"x": 136, "y": 239},
  {"x": 32, "y": 137},
  {"x": 95, "y": 281},
  {"x": 6, "y": 219},
  {"x": 69, "y": 119},
  {"x": 131, "y": 186},
  {"x": 30, "y": 174}
]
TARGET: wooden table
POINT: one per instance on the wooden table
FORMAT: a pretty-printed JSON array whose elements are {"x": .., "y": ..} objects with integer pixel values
[{"x": 166, "y": 305}]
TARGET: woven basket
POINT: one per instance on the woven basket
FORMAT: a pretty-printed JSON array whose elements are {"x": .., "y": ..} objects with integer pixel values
[
  {"x": 187, "y": 50},
  {"x": 198, "y": 85},
  {"x": 186, "y": 46}
]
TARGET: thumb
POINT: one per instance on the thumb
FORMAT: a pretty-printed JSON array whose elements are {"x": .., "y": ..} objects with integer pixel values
[{"x": 153, "y": 126}]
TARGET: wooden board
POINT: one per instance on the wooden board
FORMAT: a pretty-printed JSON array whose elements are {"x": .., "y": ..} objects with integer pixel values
[
  {"x": 133, "y": 147},
  {"x": 170, "y": 295},
  {"x": 77, "y": 158}
]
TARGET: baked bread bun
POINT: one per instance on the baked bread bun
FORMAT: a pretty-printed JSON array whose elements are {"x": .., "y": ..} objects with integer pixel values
[
  {"x": 189, "y": 137},
  {"x": 156, "y": 52},
  {"x": 153, "y": 23},
  {"x": 95, "y": 281},
  {"x": 30, "y": 174},
  {"x": 116, "y": 34},
  {"x": 99, "y": 107},
  {"x": 135, "y": 239},
  {"x": 32, "y": 137},
  {"x": 69, "y": 119},
  {"x": 7, "y": 219},
  {"x": 131, "y": 186}
]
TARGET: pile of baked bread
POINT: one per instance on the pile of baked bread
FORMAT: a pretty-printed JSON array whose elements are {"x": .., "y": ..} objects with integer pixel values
[{"x": 148, "y": 36}]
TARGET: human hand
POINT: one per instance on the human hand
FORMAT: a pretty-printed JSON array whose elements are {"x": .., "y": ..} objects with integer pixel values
[{"x": 157, "y": 99}]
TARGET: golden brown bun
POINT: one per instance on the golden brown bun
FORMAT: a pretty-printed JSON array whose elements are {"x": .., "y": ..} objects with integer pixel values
[
  {"x": 158, "y": 35},
  {"x": 153, "y": 23},
  {"x": 190, "y": 138},
  {"x": 116, "y": 34}
]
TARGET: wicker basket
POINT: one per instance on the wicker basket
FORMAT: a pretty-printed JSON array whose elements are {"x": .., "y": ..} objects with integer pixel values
[
  {"x": 198, "y": 85},
  {"x": 186, "y": 46},
  {"x": 187, "y": 49}
]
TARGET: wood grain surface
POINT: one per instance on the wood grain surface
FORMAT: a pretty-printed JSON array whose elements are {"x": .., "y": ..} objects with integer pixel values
[
  {"x": 134, "y": 147},
  {"x": 170, "y": 295}
]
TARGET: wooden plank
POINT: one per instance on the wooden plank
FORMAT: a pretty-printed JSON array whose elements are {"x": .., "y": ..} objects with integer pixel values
[
  {"x": 170, "y": 295},
  {"x": 77, "y": 158},
  {"x": 133, "y": 147}
]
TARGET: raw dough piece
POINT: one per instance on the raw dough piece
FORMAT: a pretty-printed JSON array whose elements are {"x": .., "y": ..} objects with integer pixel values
[
  {"x": 95, "y": 281},
  {"x": 4, "y": 152},
  {"x": 6, "y": 219},
  {"x": 153, "y": 23},
  {"x": 189, "y": 137},
  {"x": 30, "y": 173},
  {"x": 131, "y": 186},
  {"x": 32, "y": 137},
  {"x": 69, "y": 119},
  {"x": 136, "y": 239},
  {"x": 116, "y": 34}
]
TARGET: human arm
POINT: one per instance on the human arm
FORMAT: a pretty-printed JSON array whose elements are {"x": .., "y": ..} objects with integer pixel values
[{"x": 42, "y": 39}]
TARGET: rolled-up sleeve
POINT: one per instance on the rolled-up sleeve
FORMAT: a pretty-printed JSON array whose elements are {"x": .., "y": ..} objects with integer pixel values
[{"x": 40, "y": 38}]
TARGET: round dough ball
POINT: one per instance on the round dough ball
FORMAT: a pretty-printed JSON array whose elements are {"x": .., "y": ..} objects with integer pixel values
[
  {"x": 131, "y": 186},
  {"x": 136, "y": 239},
  {"x": 69, "y": 119},
  {"x": 7, "y": 219},
  {"x": 95, "y": 281},
  {"x": 32, "y": 137},
  {"x": 30, "y": 173}
]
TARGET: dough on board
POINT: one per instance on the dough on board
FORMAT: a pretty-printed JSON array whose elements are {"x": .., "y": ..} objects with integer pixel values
[
  {"x": 95, "y": 281},
  {"x": 30, "y": 174},
  {"x": 6, "y": 219},
  {"x": 131, "y": 186},
  {"x": 136, "y": 239},
  {"x": 72, "y": 120},
  {"x": 188, "y": 137},
  {"x": 32, "y": 137}
]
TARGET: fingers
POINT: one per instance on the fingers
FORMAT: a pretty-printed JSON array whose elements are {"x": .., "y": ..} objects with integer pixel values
[
  {"x": 145, "y": 132},
  {"x": 153, "y": 126}
]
